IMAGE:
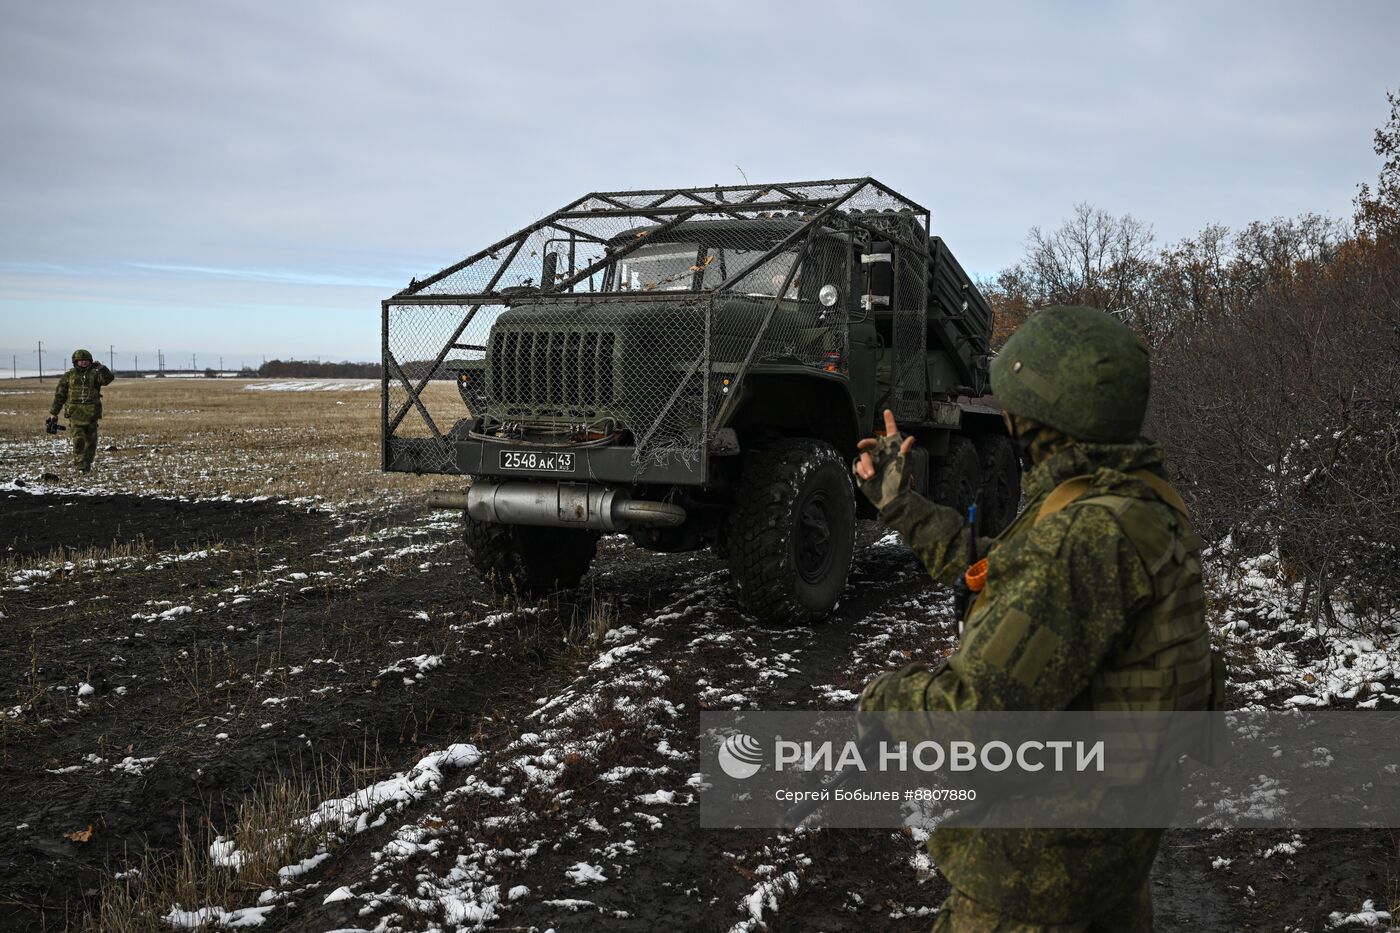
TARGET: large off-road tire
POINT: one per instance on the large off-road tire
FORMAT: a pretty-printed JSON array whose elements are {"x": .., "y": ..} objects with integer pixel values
[
  {"x": 792, "y": 531},
  {"x": 1001, "y": 482},
  {"x": 528, "y": 560},
  {"x": 955, "y": 477}
]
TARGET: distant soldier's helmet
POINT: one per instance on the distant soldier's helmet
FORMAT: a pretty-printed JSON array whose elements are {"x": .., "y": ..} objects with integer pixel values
[
  {"x": 1078, "y": 370},
  {"x": 82, "y": 355}
]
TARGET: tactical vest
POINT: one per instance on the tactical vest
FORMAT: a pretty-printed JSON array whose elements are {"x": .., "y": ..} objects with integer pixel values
[
  {"x": 84, "y": 387},
  {"x": 1167, "y": 662}
]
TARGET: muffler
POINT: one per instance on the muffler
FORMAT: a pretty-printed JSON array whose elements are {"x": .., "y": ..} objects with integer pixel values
[{"x": 559, "y": 505}]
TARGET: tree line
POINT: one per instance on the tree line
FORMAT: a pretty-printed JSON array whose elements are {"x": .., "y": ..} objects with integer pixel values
[
  {"x": 315, "y": 369},
  {"x": 1276, "y": 373}
]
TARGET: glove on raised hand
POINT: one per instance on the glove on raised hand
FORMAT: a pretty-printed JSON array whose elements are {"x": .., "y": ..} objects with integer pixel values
[{"x": 891, "y": 471}]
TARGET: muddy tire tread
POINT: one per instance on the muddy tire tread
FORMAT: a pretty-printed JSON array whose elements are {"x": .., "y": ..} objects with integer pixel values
[
  {"x": 526, "y": 559},
  {"x": 759, "y": 552}
]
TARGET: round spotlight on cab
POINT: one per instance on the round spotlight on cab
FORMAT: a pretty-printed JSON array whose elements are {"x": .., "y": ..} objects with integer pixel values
[{"x": 828, "y": 296}]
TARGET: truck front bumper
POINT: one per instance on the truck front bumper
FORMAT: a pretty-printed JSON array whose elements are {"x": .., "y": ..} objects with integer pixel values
[{"x": 615, "y": 464}]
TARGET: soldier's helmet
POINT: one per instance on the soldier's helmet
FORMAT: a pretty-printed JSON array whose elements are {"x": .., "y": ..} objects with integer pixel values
[
  {"x": 1078, "y": 370},
  {"x": 82, "y": 355}
]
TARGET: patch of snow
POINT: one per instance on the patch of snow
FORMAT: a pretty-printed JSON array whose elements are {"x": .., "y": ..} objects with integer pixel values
[
  {"x": 764, "y": 898},
  {"x": 312, "y": 385},
  {"x": 1368, "y": 916},
  {"x": 194, "y": 919},
  {"x": 584, "y": 873},
  {"x": 135, "y": 766}
]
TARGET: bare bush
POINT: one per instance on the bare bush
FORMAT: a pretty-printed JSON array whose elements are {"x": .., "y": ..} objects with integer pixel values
[
  {"x": 1276, "y": 375},
  {"x": 1280, "y": 422}
]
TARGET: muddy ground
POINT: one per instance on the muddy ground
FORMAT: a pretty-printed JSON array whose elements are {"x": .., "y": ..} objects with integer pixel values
[{"x": 209, "y": 646}]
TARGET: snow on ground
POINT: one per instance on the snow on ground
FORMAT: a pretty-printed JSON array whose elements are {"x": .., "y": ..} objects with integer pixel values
[
  {"x": 1280, "y": 661},
  {"x": 366, "y": 808},
  {"x": 610, "y": 756},
  {"x": 1368, "y": 917},
  {"x": 313, "y": 385},
  {"x": 605, "y": 764}
]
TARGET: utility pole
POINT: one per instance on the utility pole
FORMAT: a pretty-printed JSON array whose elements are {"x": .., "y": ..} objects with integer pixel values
[
  {"x": 193, "y": 365},
  {"x": 137, "y": 365},
  {"x": 111, "y": 358},
  {"x": 41, "y": 361},
  {"x": 221, "y": 364},
  {"x": 14, "y": 365}
]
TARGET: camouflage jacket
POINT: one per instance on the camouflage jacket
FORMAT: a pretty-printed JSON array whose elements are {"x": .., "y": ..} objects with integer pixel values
[
  {"x": 79, "y": 393},
  {"x": 1066, "y": 598}
]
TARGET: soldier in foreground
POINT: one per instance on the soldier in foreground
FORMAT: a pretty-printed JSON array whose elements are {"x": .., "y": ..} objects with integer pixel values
[
  {"x": 1090, "y": 599},
  {"x": 79, "y": 396}
]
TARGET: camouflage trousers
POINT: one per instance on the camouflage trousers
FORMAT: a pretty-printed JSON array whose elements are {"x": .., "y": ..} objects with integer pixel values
[
  {"x": 84, "y": 444},
  {"x": 961, "y": 914}
]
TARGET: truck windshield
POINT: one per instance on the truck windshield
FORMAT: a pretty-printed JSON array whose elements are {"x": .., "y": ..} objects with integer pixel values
[{"x": 683, "y": 267}]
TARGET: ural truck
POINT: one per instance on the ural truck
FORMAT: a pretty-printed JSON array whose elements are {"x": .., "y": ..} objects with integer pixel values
[{"x": 693, "y": 368}]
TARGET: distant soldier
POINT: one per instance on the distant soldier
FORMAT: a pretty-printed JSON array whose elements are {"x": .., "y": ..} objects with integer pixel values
[
  {"x": 1091, "y": 599},
  {"x": 79, "y": 397}
]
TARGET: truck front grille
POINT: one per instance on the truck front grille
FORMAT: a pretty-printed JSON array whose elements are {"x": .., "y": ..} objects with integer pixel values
[{"x": 548, "y": 370}]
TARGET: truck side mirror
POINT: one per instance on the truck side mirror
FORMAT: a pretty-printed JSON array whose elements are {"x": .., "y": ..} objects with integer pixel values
[{"x": 877, "y": 264}]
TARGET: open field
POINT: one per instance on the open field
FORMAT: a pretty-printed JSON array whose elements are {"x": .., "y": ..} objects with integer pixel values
[
  {"x": 237, "y": 645},
  {"x": 210, "y": 437}
]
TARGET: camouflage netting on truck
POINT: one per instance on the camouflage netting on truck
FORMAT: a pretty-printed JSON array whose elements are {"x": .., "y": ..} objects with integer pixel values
[{"x": 633, "y": 316}]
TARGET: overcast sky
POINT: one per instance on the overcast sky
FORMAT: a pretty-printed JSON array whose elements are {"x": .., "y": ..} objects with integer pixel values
[{"x": 251, "y": 178}]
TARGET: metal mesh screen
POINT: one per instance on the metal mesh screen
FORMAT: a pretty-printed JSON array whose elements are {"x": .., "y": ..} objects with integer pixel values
[{"x": 633, "y": 317}]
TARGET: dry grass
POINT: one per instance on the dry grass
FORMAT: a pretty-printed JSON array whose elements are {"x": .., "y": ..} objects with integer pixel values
[
  {"x": 211, "y": 437},
  {"x": 591, "y": 623},
  {"x": 269, "y": 831},
  {"x": 92, "y": 557},
  {"x": 29, "y": 700}
]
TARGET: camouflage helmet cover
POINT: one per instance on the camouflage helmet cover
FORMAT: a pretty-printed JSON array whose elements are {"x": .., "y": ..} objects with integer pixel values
[
  {"x": 82, "y": 355},
  {"x": 1078, "y": 370}
]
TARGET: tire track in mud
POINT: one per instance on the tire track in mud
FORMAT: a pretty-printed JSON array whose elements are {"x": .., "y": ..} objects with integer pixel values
[
  {"x": 148, "y": 713},
  {"x": 584, "y": 814},
  {"x": 368, "y": 630}
]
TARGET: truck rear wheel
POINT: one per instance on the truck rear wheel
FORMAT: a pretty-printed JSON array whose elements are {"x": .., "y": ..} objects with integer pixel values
[
  {"x": 527, "y": 559},
  {"x": 1001, "y": 482},
  {"x": 954, "y": 478},
  {"x": 792, "y": 531}
]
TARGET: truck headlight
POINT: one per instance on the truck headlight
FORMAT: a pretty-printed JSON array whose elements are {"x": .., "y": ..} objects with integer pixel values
[{"x": 828, "y": 296}]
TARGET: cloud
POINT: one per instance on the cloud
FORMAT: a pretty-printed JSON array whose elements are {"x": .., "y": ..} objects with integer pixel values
[{"x": 323, "y": 144}]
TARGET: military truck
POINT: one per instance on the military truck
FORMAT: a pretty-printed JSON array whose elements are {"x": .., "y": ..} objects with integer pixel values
[{"x": 693, "y": 368}]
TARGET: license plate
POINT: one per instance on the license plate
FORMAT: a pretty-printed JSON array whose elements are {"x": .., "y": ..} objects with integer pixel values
[{"x": 542, "y": 461}]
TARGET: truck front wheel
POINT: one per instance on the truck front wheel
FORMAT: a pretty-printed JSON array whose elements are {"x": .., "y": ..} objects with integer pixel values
[
  {"x": 528, "y": 560},
  {"x": 792, "y": 531}
]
